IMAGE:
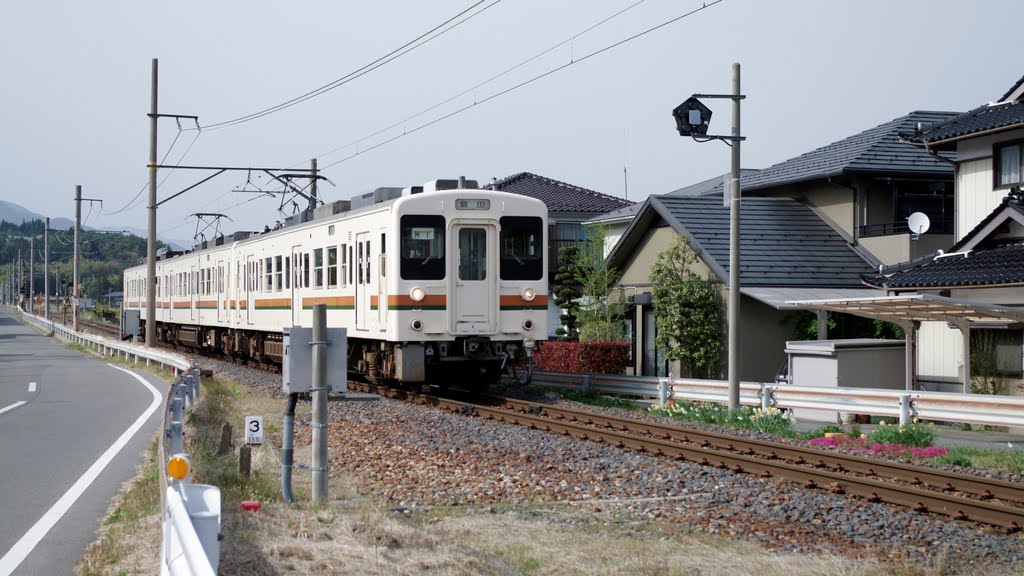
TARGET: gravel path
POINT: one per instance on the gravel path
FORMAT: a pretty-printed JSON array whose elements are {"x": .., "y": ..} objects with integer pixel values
[{"x": 415, "y": 456}]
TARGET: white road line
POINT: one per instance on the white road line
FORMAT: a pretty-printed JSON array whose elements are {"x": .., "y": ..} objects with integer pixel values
[
  {"x": 17, "y": 554},
  {"x": 31, "y": 386},
  {"x": 11, "y": 407}
]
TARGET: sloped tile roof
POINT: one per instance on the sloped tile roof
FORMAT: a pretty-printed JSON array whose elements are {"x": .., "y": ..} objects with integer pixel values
[
  {"x": 559, "y": 196},
  {"x": 999, "y": 266},
  {"x": 782, "y": 242},
  {"x": 978, "y": 120},
  {"x": 875, "y": 151}
]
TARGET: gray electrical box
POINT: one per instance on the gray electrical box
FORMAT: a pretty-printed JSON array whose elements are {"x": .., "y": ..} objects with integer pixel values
[
  {"x": 410, "y": 363},
  {"x": 129, "y": 324},
  {"x": 297, "y": 365}
]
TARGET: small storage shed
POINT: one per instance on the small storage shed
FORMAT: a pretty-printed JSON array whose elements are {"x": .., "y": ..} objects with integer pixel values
[{"x": 853, "y": 363}]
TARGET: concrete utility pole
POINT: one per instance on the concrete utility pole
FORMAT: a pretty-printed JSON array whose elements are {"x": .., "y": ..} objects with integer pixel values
[
  {"x": 74, "y": 266},
  {"x": 46, "y": 268},
  {"x": 151, "y": 241},
  {"x": 31, "y": 274},
  {"x": 734, "y": 248},
  {"x": 21, "y": 276},
  {"x": 319, "y": 390}
]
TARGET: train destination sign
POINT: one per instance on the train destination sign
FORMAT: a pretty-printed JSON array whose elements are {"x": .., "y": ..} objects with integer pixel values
[{"x": 482, "y": 204}]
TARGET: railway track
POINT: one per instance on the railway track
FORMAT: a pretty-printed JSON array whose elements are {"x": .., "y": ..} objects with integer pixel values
[{"x": 960, "y": 496}]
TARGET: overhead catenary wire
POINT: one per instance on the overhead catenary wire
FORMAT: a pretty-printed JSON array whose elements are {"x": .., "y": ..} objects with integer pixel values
[
  {"x": 484, "y": 83},
  {"x": 402, "y": 50},
  {"x": 132, "y": 203},
  {"x": 527, "y": 82}
]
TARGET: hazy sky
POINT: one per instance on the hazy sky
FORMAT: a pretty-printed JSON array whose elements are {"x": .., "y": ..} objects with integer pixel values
[{"x": 76, "y": 91}]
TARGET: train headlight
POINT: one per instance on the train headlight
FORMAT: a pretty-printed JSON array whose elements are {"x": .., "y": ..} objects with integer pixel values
[
  {"x": 416, "y": 325},
  {"x": 527, "y": 324},
  {"x": 417, "y": 294},
  {"x": 529, "y": 294}
]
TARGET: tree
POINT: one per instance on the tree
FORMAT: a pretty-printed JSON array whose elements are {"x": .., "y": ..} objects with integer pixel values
[
  {"x": 567, "y": 292},
  {"x": 688, "y": 312},
  {"x": 585, "y": 289},
  {"x": 600, "y": 308}
]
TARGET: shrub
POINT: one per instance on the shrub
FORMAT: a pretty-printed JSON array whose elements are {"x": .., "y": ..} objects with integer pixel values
[
  {"x": 770, "y": 421},
  {"x": 586, "y": 357},
  {"x": 915, "y": 434},
  {"x": 826, "y": 429}
]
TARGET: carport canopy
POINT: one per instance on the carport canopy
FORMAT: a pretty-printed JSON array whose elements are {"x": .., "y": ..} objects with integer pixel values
[{"x": 909, "y": 310}]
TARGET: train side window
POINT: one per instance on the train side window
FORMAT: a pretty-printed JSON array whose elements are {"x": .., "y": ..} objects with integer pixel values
[
  {"x": 305, "y": 270},
  {"x": 344, "y": 265},
  {"x": 332, "y": 267},
  {"x": 318, "y": 268},
  {"x": 421, "y": 247},
  {"x": 287, "y": 272},
  {"x": 360, "y": 262},
  {"x": 368, "y": 261},
  {"x": 268, "y": 274},
  {"x": 278, "y": 273},
  {"x": 351, "y": 262},
  {"x": 383, "y": 256}
]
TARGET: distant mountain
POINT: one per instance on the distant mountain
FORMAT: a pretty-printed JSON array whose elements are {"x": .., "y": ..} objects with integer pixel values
[{"x": 15, "y": 213}]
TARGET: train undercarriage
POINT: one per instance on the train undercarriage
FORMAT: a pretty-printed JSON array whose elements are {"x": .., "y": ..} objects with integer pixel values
[{"x": 471, "y": 363}]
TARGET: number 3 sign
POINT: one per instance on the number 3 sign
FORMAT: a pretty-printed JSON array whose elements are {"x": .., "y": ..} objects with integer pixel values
[{"x": 254, "y": 430}]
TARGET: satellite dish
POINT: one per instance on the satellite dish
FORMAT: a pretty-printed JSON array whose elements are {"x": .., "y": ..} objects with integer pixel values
[{"x": 918, "y": 223}]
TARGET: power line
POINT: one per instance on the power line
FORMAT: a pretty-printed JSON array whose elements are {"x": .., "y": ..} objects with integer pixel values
[
  {"x": 485, "y": 82},
  {"x": 526, "y": 82},
  {"x": 381, "y": 61},
  {"x": 131, "y": 203}
]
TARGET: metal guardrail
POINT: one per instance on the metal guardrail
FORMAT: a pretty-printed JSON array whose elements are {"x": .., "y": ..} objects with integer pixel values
[
  {"x": 905, "y": 405},
  {"x": 191, "y": 512}
]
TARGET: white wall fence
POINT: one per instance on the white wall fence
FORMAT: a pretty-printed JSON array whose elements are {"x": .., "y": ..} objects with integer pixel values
[
  {"x": 981, "y": 409},
  {"x": 191, "y": 512}
]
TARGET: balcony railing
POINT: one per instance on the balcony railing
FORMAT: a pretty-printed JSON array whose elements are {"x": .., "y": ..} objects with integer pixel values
[
  {"x": 554, "y": 254},
  {"x": 901, "y": 227}
]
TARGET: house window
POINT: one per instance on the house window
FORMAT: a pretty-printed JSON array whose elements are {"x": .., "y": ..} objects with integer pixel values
[
  {"x": 1008, "y": 165},
  {"x": 995, "y": 356}
]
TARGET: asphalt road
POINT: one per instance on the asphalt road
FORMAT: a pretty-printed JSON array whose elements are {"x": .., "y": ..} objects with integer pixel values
[{"x": 72, "y": 430}]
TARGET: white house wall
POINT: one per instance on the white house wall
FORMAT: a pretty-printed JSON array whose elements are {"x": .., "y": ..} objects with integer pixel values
[
  {"x": 975, "y": 198},
  {"x": 940, "y": 352}
]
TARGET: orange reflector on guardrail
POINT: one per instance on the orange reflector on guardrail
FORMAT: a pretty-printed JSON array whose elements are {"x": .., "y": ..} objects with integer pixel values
[{"x": 178, "y": 467}]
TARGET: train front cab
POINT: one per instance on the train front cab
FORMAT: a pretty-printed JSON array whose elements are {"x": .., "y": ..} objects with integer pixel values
[{"x": 474, "y": 281}]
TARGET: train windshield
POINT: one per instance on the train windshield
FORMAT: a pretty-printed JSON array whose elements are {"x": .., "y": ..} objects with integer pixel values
[
  {"x": 422, "y": 250},
  {"x": 522, "y": 249}
]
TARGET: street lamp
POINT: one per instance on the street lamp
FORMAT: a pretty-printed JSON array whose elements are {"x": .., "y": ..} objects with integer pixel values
[{"x": 693, "y": 119}]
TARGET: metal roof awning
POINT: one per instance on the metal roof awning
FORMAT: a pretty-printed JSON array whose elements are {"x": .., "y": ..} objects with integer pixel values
[
  {"x": 780, "y": 297},
  {"x": 907, "y": 308},
  {"x": 910, "y": 309}
]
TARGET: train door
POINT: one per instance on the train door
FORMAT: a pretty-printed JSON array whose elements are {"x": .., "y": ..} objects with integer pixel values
[
  {"x": 250, "y": 292},
  {"x": 362, "y": 307},
  {"x": 296, "y": 273},
  {"x": 192, "y": 295},
  {"x": 382, "y": 285},
  {"x": 219, "y": 284},
  {"x": 473, "y": 301}
]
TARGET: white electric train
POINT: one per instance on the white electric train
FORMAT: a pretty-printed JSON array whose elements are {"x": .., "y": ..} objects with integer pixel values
[{"x": 435, "y": 283}]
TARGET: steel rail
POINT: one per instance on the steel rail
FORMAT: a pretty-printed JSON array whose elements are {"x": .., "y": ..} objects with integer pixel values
[{"x": 946, "y": 481}]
